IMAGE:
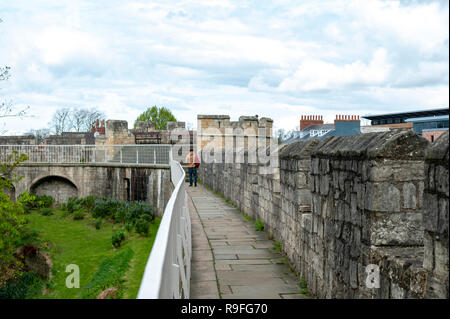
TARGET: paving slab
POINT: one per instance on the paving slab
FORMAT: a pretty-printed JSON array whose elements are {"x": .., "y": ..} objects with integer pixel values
[{"x": 239, "y": 261}]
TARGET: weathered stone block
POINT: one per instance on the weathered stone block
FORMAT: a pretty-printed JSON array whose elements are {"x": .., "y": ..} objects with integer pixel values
[
  {"x": 402, "y": 229},
  {"x": 430, "y": 212},
  {"x": 392, "y": 170},
  {"x": 428, "y": 258},
  {"x": 301, "y": 180},
  {"x": 443, "y": 221},
  {"x": 409, "y": 196},
  {"x": 441, "y": 259},
  {"x": 382, "y": 197},
  {"x": 397, "y": 292},
  {"x": 353, "y": 274}
]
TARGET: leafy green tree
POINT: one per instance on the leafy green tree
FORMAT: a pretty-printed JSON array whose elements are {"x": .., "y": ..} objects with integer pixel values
[
  {"x": 158, "y": 115},
  {"x": 11, "y": 217}
]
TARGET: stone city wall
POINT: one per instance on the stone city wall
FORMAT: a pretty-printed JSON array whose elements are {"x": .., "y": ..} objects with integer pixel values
[
  {"x": 216, "y": 131},
  {"x": 435, "y": 217},
  {"x": 18, "y": 140},
  {"x": 345, "y": 203}
]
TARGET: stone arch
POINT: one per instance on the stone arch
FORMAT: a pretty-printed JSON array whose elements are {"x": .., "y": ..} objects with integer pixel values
[{"x": 59, "y": 187}]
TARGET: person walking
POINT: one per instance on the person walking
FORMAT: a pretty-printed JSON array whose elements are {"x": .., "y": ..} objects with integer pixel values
[{"x": 193, "y": 163}]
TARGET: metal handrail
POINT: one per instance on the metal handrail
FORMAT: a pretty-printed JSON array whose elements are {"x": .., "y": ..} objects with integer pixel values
[
  {"x": 149, "y": 154},
  {"x": 168, "y": 270}
]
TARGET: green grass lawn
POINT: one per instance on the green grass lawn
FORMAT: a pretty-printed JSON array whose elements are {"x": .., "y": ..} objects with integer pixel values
[{"x": 78, "y": 242}]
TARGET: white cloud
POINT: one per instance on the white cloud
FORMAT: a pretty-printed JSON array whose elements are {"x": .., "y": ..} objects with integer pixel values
[
  {"x": 278, "y": 59},
  {"x": 313, "y": 74},
  {"x": 423, "y": 26},
  {"x": 58, "y": 44}
]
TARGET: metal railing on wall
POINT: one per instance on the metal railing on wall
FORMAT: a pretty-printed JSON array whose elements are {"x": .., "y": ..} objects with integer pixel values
[
  {"x": 168, "y": 271},
  {"x": 72, "y": 154}
]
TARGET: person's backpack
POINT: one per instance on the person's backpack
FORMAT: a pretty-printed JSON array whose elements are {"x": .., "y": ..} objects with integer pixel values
[{"x": 196, "y": 161}]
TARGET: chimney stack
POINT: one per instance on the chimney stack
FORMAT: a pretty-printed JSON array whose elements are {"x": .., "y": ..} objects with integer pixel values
[
  {"x": 97, "y": 128},
  {"x": 307, "y": 120}
]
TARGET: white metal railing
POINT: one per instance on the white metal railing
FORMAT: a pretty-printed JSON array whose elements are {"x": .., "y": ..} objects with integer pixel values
[
  {"x": 70, "y": 154},
  {"x": 168, "y": 271}
]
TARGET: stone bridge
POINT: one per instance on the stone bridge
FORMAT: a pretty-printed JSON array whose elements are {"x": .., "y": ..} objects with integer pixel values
[{"x": 149, "y": 183}]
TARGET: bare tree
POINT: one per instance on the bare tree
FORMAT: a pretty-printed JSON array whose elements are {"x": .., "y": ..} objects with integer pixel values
[
  {"x": 6, "y": 108},
  {"x": 82, "y": 119},
  {"x": 61, "y": 121},
  {"x": 284, "y": 135},
  {"x": 74, "y": 120}
]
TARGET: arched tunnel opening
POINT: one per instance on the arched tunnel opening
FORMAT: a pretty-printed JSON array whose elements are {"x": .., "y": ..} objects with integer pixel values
[{"x": 60, "y": 188}]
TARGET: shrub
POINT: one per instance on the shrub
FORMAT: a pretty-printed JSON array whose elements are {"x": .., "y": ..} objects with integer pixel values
[
  {"x": 28, "y": 285},
  {"x": 139, "y": 210},
  {"x": 98, "y": 223},
  {"x": 72, "y": 205},
  {"x": 46, "y": 211},
  {"x": 11, "y": 216},
  {"x": 121, "y": 212},
  {"x": 303, "y": 283},
  {"x": 117, "y": 238},
  {"x": 142, "y": 226},
  {"x": 259, "y": 225},
  {"x": 44, "y": 201},
  {"x": 28, "y": 202},
  {"x": 129, "y": 227},
  {"x": 78, "y": 214},
  {"x": 105, "y": 207},
  {"x": 88, "y": 202}
]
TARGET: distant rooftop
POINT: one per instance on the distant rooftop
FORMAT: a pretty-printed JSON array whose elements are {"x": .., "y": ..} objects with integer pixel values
[
  {"x": 320, "y": 127},
  {"x": 409, "y": 114},
  {"x": 435, "y": 129},
  {"x": 428, "y": 118}
]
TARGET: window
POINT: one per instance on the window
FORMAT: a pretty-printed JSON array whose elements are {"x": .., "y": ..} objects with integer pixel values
[{"x": 432, "y": 138}]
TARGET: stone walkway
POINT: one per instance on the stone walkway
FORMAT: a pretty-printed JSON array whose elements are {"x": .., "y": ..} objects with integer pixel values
[{"x": 230, "y": 259}]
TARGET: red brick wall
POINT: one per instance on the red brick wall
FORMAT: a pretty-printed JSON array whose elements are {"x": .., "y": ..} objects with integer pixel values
[{"x": 432, "y": 136}]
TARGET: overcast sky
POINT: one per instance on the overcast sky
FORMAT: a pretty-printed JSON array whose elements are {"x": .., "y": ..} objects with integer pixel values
[{"x": 279, "y": 59}]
